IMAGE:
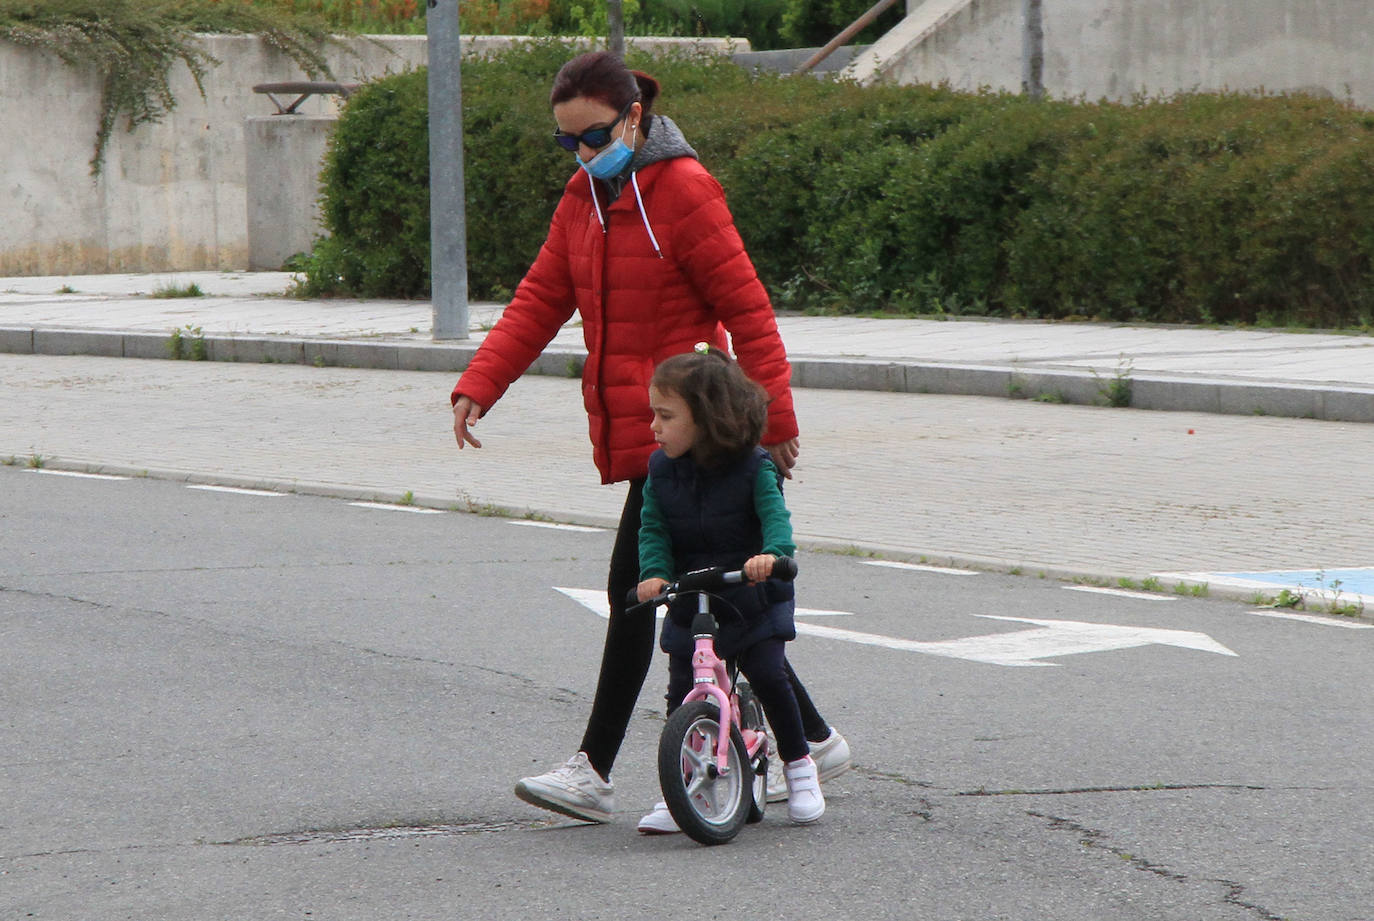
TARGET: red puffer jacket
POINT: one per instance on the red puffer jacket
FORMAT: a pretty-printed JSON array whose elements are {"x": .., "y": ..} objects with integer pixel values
[{"x": 654, "y": 283}]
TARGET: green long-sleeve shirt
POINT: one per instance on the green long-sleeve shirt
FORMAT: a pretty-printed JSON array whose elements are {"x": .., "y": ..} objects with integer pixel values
[{"x": 656, "y": 544}]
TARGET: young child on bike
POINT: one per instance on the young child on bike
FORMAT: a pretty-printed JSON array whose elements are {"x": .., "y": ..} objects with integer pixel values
[{"x": 714, "y": 498}]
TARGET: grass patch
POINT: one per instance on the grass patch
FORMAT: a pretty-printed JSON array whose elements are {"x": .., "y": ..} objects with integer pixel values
[{"x": 174, "y": 290}]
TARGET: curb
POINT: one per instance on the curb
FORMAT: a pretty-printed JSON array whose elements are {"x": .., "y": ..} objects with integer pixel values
[
  {"x": 1177, "y": 587},
  {"x": 1176, "y": 393}
]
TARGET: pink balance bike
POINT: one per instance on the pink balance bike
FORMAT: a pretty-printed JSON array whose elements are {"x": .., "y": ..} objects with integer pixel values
[{"x": 713, "y": 752}]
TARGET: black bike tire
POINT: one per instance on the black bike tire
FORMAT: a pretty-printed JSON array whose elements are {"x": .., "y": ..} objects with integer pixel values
[{"x": 674, "y": 786}]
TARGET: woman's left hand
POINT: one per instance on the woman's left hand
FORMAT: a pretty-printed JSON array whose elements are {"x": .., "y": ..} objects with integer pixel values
[{"x": 784, "y": 455}]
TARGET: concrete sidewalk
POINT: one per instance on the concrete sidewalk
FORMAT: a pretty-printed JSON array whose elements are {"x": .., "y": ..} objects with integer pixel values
[
  {"x": 244, "y": 317},
  {"x": 1013, "y": 485}
]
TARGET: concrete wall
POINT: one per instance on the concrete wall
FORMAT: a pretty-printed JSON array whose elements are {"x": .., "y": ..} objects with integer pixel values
[
  {"x": 1116, "y": 48},
  {"x": 172, "y": 196}
]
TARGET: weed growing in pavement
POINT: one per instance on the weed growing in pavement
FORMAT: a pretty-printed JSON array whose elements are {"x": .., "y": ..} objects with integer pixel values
[
  {"x": 174, "y": 290},
  {"x": 10, "y": 461},
  {"x": 1289, "y": 599},
  {"x": 37, "y": 462},
  {"x": 1050, "y": 397},
  {"x": 187, "y": 346},
  {"x": 1260, "y": 599},
  {"x": 1337, "y": 606},
  {"x": 66, "y": 289},
  {"x": 482, "y": 509},
  {"x": 407, "y": 498},
  {"x": 1117, "y": 391},
  {"x": 1194, "y": 590},
  {"x": 1152, "y": 584}
]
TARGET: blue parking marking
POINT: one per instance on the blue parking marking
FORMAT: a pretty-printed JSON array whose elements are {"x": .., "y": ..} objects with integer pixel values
[
  {"x": 1346, "y": 581},
  {"x": 1344, "y": 584}
]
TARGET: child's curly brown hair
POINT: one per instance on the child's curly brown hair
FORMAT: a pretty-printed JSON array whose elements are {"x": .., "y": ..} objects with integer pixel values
[{"x": 730, "y": 410}]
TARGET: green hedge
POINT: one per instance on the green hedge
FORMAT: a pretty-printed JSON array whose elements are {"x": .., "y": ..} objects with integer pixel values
[{"x": 1215, "y": 208}]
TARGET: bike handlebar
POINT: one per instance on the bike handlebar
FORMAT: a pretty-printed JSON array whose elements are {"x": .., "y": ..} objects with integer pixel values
[{"x": 710, "y": 579}]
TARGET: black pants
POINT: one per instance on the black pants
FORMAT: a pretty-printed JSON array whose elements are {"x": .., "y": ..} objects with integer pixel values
[{"x": 629, "y": 651}]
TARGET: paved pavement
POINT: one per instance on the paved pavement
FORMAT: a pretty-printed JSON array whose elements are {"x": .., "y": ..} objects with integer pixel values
[{"x": 1263, "y": 462}]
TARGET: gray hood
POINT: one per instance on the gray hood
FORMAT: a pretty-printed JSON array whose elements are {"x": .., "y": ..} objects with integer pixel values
[{"x": 663, "y": 140}]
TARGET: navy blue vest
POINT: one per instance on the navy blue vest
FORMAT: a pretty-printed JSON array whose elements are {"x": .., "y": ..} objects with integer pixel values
[{"x": 712, "y": 521}]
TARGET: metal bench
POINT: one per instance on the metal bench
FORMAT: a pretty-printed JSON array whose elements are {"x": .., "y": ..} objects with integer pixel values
[{"x": 306, "y": 89}]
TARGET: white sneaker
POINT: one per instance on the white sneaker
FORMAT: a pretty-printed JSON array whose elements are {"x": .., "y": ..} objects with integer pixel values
[
  {"x": 575, "y": 789},
  {"x": 805, "y": 803},
  {"x": 658, "y": 822},
  {"x": 831, "y": 757}
]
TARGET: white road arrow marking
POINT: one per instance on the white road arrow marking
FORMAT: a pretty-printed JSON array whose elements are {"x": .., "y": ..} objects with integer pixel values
[
  {"x": 1026, "y": 647},
  {"x": 1019, "y": 649},
  {"x": 595, "y": 601}
]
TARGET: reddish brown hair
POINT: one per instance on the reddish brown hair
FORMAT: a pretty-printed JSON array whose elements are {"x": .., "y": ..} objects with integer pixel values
[{"x": 603, "y": 76}]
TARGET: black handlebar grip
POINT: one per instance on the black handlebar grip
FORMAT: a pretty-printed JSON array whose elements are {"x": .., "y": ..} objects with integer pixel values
[
  {"x": 632, "y": 597},
  {"x": 785, "y": 568}
]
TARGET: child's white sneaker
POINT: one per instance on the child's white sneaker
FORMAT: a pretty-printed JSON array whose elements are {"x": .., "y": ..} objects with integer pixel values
[
  {"x": 659, "y": 822},
  {"x": 805, "y": 804}
]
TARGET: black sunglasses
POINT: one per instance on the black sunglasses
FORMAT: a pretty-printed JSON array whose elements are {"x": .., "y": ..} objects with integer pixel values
[{"x": 596, "y": 138}]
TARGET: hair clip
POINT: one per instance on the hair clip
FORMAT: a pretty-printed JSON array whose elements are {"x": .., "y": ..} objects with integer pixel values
[{"x": 702, "y": 348}]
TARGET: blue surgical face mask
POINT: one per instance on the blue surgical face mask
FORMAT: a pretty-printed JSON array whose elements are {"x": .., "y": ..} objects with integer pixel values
[{"x": 611, "y": 161}]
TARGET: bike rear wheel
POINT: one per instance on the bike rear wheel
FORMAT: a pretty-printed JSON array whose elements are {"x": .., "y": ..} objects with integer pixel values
[
  {"x": 751, "y": 717},
  {"x": 709, "y": 806}
]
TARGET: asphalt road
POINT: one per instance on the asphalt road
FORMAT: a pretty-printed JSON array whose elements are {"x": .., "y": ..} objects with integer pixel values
[{"x": 229, "y": 705}]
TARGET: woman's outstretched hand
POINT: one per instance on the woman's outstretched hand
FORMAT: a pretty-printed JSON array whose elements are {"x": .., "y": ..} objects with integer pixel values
[
  {"x": 465, "y": 415},
  {"x": 784, "y": 455}
]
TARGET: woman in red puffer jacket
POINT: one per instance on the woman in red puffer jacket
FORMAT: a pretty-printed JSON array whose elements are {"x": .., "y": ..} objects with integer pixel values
[{"x": 643, "y": 247}]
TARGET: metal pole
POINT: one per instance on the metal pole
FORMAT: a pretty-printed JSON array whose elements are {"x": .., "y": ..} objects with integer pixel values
[
  {"x": 615, "y": 21},
  {"x": 1033, "y": 50},
  {"x": 448, "y": 250},
  {"x": 853, "y": 29}
]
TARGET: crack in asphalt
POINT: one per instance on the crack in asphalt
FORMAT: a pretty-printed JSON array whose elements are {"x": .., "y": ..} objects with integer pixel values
[
  {"x": 263, "y": 635},
  {"x": 1098, "y": 840},
  {"x": 1142, "y": 788},
  {"x": 384, "y": 833}
]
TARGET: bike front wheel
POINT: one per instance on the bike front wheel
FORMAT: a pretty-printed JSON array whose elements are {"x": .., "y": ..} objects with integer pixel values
[{"x": 709, "y": 806}]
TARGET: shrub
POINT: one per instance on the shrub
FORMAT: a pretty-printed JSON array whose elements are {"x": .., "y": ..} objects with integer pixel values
[
  {"x": 375, "y": 202},
  {"x": 1198, "y": 208},
  {"x": 1201, "y": 208}
]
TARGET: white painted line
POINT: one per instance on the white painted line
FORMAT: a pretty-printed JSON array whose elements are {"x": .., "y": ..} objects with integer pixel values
[
  {"x": 1313, "y": 619},
  {"x": 1123, "y": 592},
  {"x": 238, "y": 490},
  {"x": 77, "y": 473},
  {"x": 595, "y": 601},
  {"x": 945, "y": 570},
  {"x": 388, "y": 507},
  {"x": 552, "y": 526}
]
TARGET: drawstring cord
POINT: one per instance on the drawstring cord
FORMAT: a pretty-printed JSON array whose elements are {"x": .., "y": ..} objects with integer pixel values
[
  {"x": 634, "y": 180},
  {"x": 639, "y": 200}
]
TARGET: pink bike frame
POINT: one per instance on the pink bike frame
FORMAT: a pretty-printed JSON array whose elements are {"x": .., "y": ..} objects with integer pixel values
[{"x": 711, "y": 680}]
